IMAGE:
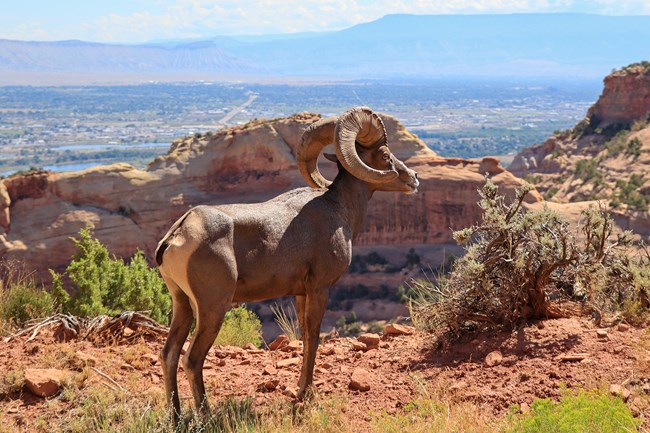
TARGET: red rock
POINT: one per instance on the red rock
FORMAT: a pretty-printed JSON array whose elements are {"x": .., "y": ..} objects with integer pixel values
[
  {"x": 326, "y": 351},
  {"x": 397, "y": 329},
  {"x": 270, "y": 385},
  {"x": 524, "y": 408},
  {"x": 369, "y": 339},
  {"x": 293, "y": 346},
  {"x": 82, "y": 359},
  {"x": 288, "y": 362},
  {"x": 461, "y": 384},
  {"x": 493, "y": 358},
  {"x": 620, "y": 391},
  {"x": 625, "y": 98},
  {"x": 45, "y": 382},
  {"x": 602, "y": 333},
  {"x": 291, "y": 392},
  {"x": 357, "y": 345},
  {"x": 250, "y": 346},
  {"x": 623, "y": 327},
  {"x": 279, "y": 342},
  {"x": 269, "y": 370},
  {"x": 573, "y": 357},
  {"x": 150, "y": 358},
  {"x": 360, "y": 380}
]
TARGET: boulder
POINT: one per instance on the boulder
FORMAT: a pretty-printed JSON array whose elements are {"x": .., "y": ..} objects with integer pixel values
[
  {"x": 397, "y": 329},
  {"x": 45, "y": 382},
  {"x": 493, "y": 358},
  {"x": 369, "y": 339},
  {"x": 289, "y": 362},
  {"x": 360, "y": 380},
  {"x": 279, "y": 342}
]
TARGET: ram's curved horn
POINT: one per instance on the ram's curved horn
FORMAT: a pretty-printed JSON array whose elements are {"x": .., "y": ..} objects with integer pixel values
[
  {"x": 315, "y": 137},
  {"x": 360, "y": 125}
]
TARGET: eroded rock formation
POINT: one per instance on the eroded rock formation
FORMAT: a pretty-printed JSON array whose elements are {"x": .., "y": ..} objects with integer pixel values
[
  {"x": 605, "y": 157},
  {"x": 130, "y": 208}
]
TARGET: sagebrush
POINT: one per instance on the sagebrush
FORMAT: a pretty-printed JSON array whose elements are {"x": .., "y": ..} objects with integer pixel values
[{"x": 520, "y": 264}]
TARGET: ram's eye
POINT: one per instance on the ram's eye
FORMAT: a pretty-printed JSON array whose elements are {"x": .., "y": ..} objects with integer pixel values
[{"x": 386, "y": 156}]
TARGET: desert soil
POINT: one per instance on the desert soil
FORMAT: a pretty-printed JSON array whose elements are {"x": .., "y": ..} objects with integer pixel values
[{"x": 535, "y": 361}]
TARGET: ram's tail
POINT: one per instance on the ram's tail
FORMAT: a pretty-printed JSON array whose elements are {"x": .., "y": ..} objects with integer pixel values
[{"x": 164, "y": 242}]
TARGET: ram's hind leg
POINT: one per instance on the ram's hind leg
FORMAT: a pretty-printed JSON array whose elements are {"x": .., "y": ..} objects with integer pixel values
[
  {"x": 213, "y": 280},
  {"x": 208, "y": 325},
  {"x": 181, "y": 323}
]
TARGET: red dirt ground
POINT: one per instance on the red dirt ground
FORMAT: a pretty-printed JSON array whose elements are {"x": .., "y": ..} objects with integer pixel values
[{"x": 531, "y": 367}]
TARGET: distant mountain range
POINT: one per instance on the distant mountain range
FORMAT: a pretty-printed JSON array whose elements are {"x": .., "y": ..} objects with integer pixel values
[{"x": 395, "y": 46}]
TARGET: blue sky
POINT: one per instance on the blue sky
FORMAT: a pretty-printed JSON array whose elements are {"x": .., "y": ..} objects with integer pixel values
[{"x": 145, "y": 20}]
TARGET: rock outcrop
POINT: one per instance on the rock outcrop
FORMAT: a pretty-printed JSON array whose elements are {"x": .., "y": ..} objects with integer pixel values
[
  {"x": 129, "y": 208},
  {"x": 605, "y": 157},
  {"x": 625, "y": 98}
]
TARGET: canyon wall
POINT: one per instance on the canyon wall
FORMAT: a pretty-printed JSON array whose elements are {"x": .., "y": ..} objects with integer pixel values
[{"x": 131, "y": 209}]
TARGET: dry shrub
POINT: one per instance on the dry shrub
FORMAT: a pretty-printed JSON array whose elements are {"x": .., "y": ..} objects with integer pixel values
[{"x": 520, "y": 265}]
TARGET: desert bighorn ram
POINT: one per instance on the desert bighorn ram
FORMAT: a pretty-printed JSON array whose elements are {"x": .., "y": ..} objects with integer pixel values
[{"x": 298, "y": 243}]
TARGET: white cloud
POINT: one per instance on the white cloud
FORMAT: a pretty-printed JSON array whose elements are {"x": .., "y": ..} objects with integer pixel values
[{"x": 170, "y": 19}]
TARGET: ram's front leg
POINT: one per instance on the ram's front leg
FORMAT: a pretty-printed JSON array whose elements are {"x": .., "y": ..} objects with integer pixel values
[{"x": 314, "y": 309}]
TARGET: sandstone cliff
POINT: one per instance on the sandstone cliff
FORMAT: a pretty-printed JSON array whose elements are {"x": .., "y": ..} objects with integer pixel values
[
  {"x": 605, "y": 157},
  {"x": 130, "y": 208}
]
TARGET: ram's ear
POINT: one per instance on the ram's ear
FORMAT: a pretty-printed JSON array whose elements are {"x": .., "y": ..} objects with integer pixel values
[{"x": 331, "y": 157}]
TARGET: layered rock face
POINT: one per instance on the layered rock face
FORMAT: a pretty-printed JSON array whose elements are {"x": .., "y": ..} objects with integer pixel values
[
  {"x": 605, "y": 157},
  {"x": 625, "y": 98},
  {"x": 131, "y": 209}
]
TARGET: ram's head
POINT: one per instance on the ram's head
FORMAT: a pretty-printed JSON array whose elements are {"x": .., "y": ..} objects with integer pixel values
[{"x": 360, "y": 140}]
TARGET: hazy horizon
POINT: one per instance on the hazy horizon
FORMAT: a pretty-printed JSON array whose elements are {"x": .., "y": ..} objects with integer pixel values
[{"x": 143, "y": 21}]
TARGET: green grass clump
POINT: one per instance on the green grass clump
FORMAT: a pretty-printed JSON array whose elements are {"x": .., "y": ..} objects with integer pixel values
[
  {"x": 240, "y": 327},
  {"x": 583, "y": 412},
  {"x": 20, "y": 299},
  {"x": 587, "y": 170},
  {"x": 105, "y": 284},
  {"x": 432, "y": 415}
]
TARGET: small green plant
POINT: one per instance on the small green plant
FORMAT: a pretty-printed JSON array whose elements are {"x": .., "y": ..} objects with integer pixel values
[
  {"x": 634, "y": 147},
  {"x": 372, "y": 260},
  {"x": 584, "y": 411},
  {"x": 125, "y": 211},
  {"x": 587, "y": 170},
  {"x": 21, "y": 300},
  {"x": 618, "y": 144},
  {"x": 375, "y": 327},
  {"x": 11, "y": 382},
  {"x": 629, "y": 193},
  {"x": 551, "y": 192},
  {"x": 105, "y": 284},
  {"x": 533, "y": 179},
  {"x": 240, "y": 327}
]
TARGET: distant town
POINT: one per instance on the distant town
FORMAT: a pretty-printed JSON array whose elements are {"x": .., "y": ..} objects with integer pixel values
[{"x": 73, "y": 127}]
